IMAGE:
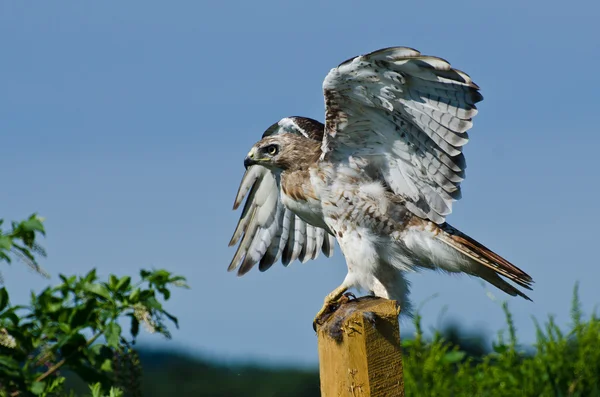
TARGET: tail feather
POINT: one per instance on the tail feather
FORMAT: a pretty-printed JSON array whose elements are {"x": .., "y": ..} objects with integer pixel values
[
  {"x": 486, "y": 257},
  {"x": 493, "y": 278}
]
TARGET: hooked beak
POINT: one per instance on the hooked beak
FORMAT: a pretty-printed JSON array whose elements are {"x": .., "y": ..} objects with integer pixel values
[{"x": 249, "y": 160}]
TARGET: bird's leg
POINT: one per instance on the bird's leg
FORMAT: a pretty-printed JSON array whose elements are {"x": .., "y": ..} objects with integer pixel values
[{"x": 331, "y": 299}]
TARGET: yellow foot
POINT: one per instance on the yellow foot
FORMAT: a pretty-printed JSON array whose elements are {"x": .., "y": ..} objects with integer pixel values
[{"x": 332, "y": 300}]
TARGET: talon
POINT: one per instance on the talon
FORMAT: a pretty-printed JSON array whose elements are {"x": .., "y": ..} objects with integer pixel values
[
  {"x": 350, "y": 295},
  {"x": 332, "y": 302},
  {"x": 328, "y": 307}
]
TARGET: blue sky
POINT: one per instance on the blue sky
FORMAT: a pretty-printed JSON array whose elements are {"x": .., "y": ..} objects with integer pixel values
[{"x": 125, "y": 124}]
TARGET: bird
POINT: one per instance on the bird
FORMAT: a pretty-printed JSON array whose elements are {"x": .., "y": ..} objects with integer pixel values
[{"x": 380, "y": 176}]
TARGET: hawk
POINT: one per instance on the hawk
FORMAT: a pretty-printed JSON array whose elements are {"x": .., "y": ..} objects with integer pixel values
[{"x": 380, "y": 177}]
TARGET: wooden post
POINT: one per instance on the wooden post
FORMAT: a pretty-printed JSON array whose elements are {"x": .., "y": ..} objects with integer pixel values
[{"x": 359, "y": 350}]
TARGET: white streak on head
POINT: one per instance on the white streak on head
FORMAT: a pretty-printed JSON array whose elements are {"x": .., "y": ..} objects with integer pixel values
[{"x": 288, "y": 124}]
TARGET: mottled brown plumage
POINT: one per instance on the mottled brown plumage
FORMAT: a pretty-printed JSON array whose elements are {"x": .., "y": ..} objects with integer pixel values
[
  {"x": 380, "y": 175},
  {"x": 296, "y": 184},
  {"x": 295, "y": 152}
]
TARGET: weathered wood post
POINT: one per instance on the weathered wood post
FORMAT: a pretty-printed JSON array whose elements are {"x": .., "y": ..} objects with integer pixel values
[{"x": 359, "y": 350}]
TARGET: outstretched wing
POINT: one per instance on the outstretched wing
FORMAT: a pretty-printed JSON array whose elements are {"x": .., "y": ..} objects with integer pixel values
[
  {"x": 267, "y": 229},
  {"x": 406, "y": 116}
]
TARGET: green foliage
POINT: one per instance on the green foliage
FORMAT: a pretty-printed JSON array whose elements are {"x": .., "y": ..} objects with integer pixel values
[
  {"x": 96, "y": 391},
  {"x": 20, "y": 242},
  {"x": 563, "y": 364},
  {"x": 76, "y": 326}
]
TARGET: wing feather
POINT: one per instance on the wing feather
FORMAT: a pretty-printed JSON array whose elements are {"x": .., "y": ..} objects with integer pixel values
[
  {"x": 299, "y": 238},
  {"x": 268, "y": 231},
  {"x": 328, "y": 245},
  {"x": 320, "y": 235},
  {"x": 408, "y": 114},
  {"x": 309, "y": 247},
  {"x": 287, "y": 257}
]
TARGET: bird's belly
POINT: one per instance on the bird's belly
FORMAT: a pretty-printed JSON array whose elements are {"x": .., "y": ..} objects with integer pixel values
[{"x": 309, "y": 211}]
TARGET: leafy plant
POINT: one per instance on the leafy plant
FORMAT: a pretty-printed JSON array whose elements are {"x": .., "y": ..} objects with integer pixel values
[
  {"x": 76, "y": 326},
  {"x": 96, "y": 391},
  {"x": 562, "y": 364},
  {"x": 20, "y": 242}
]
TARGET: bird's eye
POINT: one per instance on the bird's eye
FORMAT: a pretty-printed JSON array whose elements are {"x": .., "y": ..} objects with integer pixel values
[{"x": 272, "y": 149}]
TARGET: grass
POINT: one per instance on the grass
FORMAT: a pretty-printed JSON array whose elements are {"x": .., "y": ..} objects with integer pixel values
[{"x": 561, "y": 364}]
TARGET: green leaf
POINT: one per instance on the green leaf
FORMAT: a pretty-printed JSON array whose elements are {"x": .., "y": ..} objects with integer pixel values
[
  {"x": 112, "y": 282},
  {"x": 33, "y": 224},
  {"x": 107, "y": 365},
  {"x": 179, "y": 281},
  {"x": 172, "y": 318},
  {"x": 123, "y": 283},
  {"x": 12, "y": 316},
  {"x": 72, "y": 344},
  {"x": 162, "y": 274},
  {"x": 55, "y": 384},
  {"x": 454, "y": 356},
  {"x": 5, "y": 242},
  {"x": 112, "y": 333},
  {"x": 67, "y": 280},
  {"x": 9, "y": 362},
  {"x": 53, "y": 307},
  {"x": 37, "y": 388},
  {"x": 5, "y": 257},
  {"x": 165, "y": 292},
  {"x": 98, "y": 289},
  {"x": 96, "y": 390},
  {"x": 135, "y": 295},
  {"x": 81, "y": 314},
  {"x": 91, "y": 276},
  {"x": 152, "y": 303},
  {"x": 114, "y": 392},
  {"x": 90, "y": 374},
  {"x": 499, "y": 348},
  {"x": 3, "y": 298},
  {"x": 158, "y": 277}
]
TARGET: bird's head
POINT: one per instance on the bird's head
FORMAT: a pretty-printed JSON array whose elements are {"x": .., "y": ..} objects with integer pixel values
[{"x": 282, "y": 152}]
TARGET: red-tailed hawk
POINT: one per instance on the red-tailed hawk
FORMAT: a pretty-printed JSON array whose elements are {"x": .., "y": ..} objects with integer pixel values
[{"x": 379, "y": 177}]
